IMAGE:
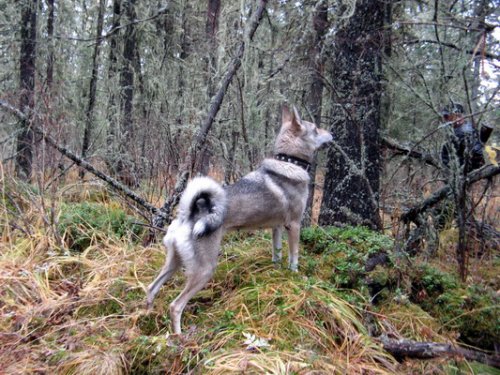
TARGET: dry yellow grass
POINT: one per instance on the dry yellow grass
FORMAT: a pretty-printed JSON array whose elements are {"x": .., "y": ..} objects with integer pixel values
[{"x": 63, "y": 312}]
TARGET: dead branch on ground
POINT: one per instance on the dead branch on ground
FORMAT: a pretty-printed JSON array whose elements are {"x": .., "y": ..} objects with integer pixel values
[{"x": 402, "y": 348}]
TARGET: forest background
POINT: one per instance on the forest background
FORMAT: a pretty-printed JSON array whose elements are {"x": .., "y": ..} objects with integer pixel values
[{"x": 125, "y": 100}]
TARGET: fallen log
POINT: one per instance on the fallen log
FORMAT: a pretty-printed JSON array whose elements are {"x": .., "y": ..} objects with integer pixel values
[{"x": 402, "y": 348}]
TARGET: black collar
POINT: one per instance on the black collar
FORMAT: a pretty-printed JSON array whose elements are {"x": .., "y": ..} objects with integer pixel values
[{"x": 292, "y": 159}]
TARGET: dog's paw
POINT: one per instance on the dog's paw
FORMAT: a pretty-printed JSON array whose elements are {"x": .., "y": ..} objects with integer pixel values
[
  {"x": 199, "y": 229},
  {"x": 293, "y": 267}
]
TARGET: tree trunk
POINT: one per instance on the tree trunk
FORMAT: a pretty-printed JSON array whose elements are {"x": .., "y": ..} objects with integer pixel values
[
  {"x": 412, "y": 214},
  {"x": 351, "y": 191},
  {"x": 314, "y": 99},
  {"x": 479, "y": 45},
  {"x": 125, "y": 165},
  {"x": 211, "y": 26},
  {"x": 50, "y": 36},
  {"x": 112, "y": 136},
  {"x": 89, "y": 113},
  {"x": 402, "y": 348},
  {"x": 25, "y": 139}
]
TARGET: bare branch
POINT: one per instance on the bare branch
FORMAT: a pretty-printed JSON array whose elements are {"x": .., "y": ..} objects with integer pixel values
[
  {"x": 488, "y": 55},
  {"x": 412, "y": 214},
  {"x": 409, "y": 151}
]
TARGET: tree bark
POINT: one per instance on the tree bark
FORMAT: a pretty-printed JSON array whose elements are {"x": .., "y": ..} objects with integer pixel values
[
  {"x": 315, "y": 97},
  {"x": 351, "y": 190},
  {"x": 211, "y": 26},
  {"x": 27, "y": 70},
  {"x": 200, "y": 137},
  {"x": 112, "y": 136},
  {"x": 89, "y": 113},
  {"x": 125, "y": 165},
  {"x": 50, "y": 55},
  {"x": 479, "y": 45}
]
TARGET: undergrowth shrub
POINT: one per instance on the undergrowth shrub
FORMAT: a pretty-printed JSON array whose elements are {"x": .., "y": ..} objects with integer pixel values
[{"x": 81, "y": 223}]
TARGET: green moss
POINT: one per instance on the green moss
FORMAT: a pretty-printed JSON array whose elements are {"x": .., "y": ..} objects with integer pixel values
[
  {"x": 340, "y": 256},
  {"x": 154, "y": 355},
  {"x": 58, "y": 356},
  {"x": 81, "y": 223},
  {"x": 103, "y": 308},
  {"x": 473, "y": 368},
  {"x": 471, "y": 310}
]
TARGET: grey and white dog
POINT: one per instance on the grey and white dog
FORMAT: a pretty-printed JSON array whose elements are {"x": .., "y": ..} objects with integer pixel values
[{"x": 274, "y": 196}]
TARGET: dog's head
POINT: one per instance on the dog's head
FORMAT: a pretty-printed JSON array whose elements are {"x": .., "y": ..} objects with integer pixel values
[{"x": 299, "y": 138}]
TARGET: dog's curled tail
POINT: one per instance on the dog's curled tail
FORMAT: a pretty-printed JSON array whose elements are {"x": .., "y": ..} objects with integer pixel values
[{"x": 203, "y": 204}]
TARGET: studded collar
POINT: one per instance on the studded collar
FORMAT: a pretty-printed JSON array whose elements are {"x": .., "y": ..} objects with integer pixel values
[{"x": 294, "y": 160}]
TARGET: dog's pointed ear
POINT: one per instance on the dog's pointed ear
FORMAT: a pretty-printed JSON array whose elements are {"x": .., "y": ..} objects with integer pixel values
[
  {"x": 291, "y": 119},
  {"x": 296, "y": 124},
  {"x": 296, "y": 115},
  {"x": 286, "y": 116}
]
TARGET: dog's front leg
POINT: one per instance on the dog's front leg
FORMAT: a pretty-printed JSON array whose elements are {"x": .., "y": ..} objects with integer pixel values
[
  {"x": 277, "y": 235},
  {"x": 293, "y": 246}
]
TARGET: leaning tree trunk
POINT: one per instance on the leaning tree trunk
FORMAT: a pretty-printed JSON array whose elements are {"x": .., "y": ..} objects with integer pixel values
[
  {"x": 351, "y": 190},
  {"x": 25, "y": 138},
  {"x": 189, "y": 165},
  {"x": 315, "y": 95}
]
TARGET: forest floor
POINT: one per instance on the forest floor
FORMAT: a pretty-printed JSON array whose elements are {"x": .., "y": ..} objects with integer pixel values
[{"x": 73, "y": 275}]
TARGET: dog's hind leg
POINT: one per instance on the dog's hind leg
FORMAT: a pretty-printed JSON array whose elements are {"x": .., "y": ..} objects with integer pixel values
[
  {"x": 293, "y": 246},
  {"x": 195, "y": 282},
  {"x": 171, "y": 265},
  {"x": 277, "y": 235}
]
